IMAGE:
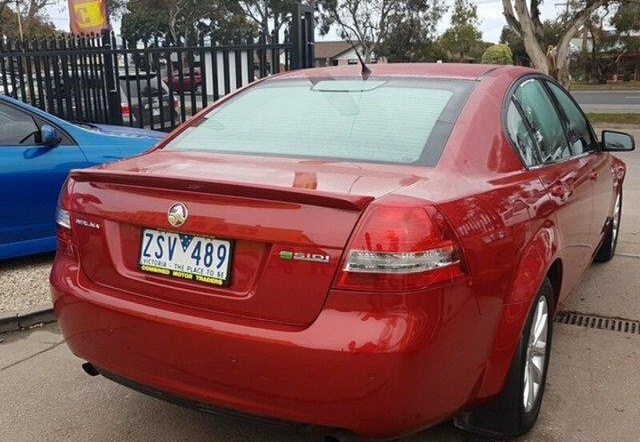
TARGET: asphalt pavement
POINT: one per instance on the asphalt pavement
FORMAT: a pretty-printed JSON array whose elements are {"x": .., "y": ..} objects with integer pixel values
[
  {"x": 608, "y": 101},
  {"x": 592, "y": 388}
]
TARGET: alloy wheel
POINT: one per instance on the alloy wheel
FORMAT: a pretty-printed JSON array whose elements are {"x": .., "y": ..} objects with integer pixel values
[
  {"x": 536, "y": 355},
  {"x": 616, "y": 218}
]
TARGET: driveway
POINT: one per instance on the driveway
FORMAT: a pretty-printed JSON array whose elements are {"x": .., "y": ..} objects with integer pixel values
[{"x": 592, "y": 390}]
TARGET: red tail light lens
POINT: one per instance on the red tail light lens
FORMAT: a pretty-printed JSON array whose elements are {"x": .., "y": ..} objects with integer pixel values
[
  {"x": 125, "y": 110},
  {"x": 401, "y": 244}
]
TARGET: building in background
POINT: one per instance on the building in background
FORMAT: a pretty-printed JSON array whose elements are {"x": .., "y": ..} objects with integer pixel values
[{"x": 338, "y": 53}]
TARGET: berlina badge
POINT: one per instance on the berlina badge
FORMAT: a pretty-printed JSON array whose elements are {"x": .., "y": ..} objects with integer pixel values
[{"x": 177, "y": 214}]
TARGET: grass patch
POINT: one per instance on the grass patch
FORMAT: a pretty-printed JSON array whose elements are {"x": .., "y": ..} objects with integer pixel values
[
  {"x": 618, "y": 86},
  {"x": 622, "y": 118}
]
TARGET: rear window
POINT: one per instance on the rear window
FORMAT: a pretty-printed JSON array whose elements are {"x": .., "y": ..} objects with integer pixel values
[
  {"x": 388, "y": 120},
  {"x": 149, "y": 86}
]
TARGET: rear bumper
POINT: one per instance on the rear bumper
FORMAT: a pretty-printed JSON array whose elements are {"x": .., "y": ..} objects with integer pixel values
[{"x": 378, "y": 365}]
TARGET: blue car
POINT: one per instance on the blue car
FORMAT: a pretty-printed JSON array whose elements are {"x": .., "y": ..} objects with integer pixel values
[{"x": 37, "y": 150}]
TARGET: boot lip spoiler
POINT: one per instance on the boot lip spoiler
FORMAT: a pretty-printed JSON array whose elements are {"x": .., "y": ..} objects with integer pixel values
[{"x": 231, "y": 188}]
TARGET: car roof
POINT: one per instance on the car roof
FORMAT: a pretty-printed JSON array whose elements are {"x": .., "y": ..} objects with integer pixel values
[{"x": 459, "y": 71}]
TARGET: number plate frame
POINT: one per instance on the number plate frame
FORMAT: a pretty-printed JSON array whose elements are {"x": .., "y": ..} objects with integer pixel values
[{"x": 224, "y": 282}]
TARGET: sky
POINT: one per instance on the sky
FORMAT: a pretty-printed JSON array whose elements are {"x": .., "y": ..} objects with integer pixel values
[{"x": 489, "y": 12}]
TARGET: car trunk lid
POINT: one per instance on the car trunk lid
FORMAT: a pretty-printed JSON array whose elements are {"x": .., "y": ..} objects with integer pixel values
[{"x": 288, "y": 221}]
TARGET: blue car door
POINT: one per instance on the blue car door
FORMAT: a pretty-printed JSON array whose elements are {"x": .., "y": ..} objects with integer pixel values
[{"x": 31, "y": 176}]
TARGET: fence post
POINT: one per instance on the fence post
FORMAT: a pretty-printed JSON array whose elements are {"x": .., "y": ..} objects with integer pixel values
[
  {"x": 114, "y": 114},
  {"x": 302, "y": 37}
]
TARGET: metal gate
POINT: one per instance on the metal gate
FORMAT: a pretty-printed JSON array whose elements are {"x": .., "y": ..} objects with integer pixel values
[{"x": 104, "y": 79}]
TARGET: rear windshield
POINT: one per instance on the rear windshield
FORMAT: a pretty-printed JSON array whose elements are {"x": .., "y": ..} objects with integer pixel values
[
  {"x": 149, "y": 86},
  {"x": 388, "y": 120}
]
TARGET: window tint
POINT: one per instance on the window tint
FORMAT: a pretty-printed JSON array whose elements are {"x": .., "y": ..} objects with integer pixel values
[
  {"x": 521, "y": 137},
  {"x": 15, "y": 126},
  {"x": 544, "y": 120},
  {"x": 387, "y": 120},
  {"x": 580, "y": 134}
]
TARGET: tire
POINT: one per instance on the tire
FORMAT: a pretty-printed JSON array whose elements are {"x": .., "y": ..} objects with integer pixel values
[
  {"x": 511, "y": 413},
  {"x": 608, "y": 247}
]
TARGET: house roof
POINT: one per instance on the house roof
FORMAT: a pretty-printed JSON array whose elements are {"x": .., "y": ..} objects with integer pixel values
[{"x": 330, "y": 49}]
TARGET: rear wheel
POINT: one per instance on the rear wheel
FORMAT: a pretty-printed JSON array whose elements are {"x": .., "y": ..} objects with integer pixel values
[
  {"x": 515, "y": 410},
  {"x": 608, "y": 247}
]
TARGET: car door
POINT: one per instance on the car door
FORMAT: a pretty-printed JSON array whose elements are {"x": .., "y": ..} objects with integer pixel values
[
  {"x": 584, "y": 142},
  {"x": 30, "y": 179},
  {"x": 565, "y": 175}
]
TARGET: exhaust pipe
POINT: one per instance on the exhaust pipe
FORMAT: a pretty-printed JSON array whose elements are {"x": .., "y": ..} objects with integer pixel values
[{"x": 90, "y": 369}]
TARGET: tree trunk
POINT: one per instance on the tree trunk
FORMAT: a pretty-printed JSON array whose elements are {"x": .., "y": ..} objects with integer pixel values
[
  {"x": 563, "y": 56},
  {"x": 367, "y": 53},
  {"x": 531, "y": 44}
]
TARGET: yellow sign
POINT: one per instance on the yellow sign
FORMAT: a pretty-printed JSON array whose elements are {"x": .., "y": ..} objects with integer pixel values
[{"x": 87, "y": 16}]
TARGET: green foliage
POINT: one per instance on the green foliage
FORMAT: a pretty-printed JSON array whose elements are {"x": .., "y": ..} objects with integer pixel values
[
  {"x": 267, "y": 15},
  {"x": 462, "y": 41},
  {"x": 412, "y": 35},
  {"x": 37, "y": 26},
  {"x": 183, "y": 21},
  {"x": 400, "y": 30},
  {"x": 515, "y": 43},
  {"x": 498, "y": 54},
  {"x": 626, "y": 24}
]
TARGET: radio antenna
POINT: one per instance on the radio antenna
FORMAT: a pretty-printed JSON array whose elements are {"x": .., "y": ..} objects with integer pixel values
[{"x": 365, "y": 72}]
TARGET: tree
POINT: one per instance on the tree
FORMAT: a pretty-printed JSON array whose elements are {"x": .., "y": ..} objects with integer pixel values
[
  {"x": 523, "y": 17},
  {"x": 370, "y": 23},
  {"x": 463, "y": 39},
  {"x": 268, "y": 15},
  {"x": 35, "y": 22},
  {"x": 551, "y": 31},
  {"x": 606, "y": 54},
  {"x": 412, "y": 40},
  {"x": 498, "y": 54},
  {"x": 515, "y": 43},
  {"x": 181, "y": 22}
]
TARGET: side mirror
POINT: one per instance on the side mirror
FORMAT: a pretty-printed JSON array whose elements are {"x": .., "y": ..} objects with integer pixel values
[
  {"x": 49, "y": 136},
  {"x": 617, "y": 141}
]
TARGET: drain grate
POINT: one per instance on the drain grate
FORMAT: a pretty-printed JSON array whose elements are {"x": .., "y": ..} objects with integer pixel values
[{"x": 598, "y": 322}]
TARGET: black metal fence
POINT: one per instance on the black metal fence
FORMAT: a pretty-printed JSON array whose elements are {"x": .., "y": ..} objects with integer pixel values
[{"x": 147, "y": 84}]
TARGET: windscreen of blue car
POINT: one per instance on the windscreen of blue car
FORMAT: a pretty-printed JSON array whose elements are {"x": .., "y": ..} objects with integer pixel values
[{"x": 386, "y": 120}]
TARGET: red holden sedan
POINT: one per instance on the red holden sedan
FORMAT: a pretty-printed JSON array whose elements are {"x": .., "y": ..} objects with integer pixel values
[{"x": 376, "y": 255}]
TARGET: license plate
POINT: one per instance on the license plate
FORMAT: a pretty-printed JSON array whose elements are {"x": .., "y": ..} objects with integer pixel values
[{"x": 188, "y": 257}]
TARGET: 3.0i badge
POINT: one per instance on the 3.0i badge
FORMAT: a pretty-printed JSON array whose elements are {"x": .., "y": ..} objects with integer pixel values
[{"x": 300, "y": 256}]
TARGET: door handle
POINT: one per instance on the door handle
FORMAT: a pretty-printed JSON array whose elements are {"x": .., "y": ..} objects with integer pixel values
[
  {"x": 561, "y": 190},
  {"x": 594, "y": 175},
  {"x": 558, "y": 190}
]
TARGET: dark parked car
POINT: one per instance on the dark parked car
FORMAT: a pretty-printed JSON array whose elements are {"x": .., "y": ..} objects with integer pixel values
[{"x": 145, "y": 98}]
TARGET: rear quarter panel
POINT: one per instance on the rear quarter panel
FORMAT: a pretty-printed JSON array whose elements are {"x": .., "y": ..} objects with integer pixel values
[{"x": 504, "y": 219}]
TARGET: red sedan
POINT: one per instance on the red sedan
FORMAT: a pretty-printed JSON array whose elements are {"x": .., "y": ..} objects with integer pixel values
[
  {"x": 377, "y": 255},
  {"x": 186, "y": 81}
]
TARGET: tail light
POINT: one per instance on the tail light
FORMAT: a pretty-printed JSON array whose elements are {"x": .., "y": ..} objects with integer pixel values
[
  {"x": 125, "y": 110},
  {"x": 401, "y": 244},
  {"x": 63, "y": 217}
]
